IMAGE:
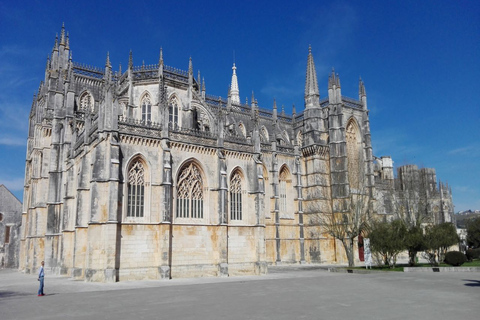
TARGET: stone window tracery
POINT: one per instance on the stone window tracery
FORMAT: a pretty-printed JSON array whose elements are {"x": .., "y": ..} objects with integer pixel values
[
  {"x": 86, "y": 102},
  {"x": 353, "y": 154},
  {"x": 242, "y": 129},
  {"x": 136, "y": 189},
  {"x": 146, "y": 108},
  {"x": 173, "y": 111},
  {"x": 282, "y": 191},
  {"x": 190, "y": 193},
  {"x": 300, "y": 138},
  {"x": 236, "y": 196}
]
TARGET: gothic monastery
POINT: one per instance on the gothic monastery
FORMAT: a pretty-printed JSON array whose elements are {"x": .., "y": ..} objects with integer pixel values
[{"x": 140, "y": 174}]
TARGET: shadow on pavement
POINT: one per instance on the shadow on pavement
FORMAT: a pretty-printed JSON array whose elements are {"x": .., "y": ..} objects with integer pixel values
[{"x": 473, "y": 283}]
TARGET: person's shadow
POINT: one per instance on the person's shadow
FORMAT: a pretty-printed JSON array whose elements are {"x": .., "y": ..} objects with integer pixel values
[{"x": 472, "y": 283}]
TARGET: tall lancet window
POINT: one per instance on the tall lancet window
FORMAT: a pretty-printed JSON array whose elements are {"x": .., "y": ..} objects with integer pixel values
[
  {"x": 86, "y": 102},
  {"x": 173, "y": 111},
  {"x": 352, "y": 135},
  {"x": 282, "y": 192},
  {"x": 136, "y": 189},
  {"x": 146, "y": 108},
  {"x": 190, "y": 193},
  {"x": 236, "y": 196}
]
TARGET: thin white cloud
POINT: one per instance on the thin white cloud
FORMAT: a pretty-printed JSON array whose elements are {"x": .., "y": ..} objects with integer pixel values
[
  {"x": 13, "y": 141},
  {"x": 470, "y": 150},
  {"x": 13, "y": 184}
]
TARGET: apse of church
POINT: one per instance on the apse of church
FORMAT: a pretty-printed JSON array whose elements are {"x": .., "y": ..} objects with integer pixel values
[{"x": 140, "y": 174}]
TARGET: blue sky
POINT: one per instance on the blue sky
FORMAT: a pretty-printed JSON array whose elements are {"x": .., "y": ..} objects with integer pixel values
[{"x": 420, "y": 61}]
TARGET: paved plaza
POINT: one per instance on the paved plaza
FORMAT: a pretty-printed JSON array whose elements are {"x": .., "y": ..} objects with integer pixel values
[{"x": 285, "y": 293}]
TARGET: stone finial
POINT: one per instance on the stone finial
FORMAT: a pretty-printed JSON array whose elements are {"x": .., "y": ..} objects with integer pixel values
[
  {"x": 62, "y": 35},
  {"x": 130, "y": 60},
  {"x": 107, "y": 63},
  {"x": 67, "y": 44},
  {"x": 312, "y": 94},
  {"x": 160, "y": 59},
  {"x": 234, "y": 86}
]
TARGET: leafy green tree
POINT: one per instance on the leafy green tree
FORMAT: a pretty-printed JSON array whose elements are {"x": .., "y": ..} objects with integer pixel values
[
  {"x": 388, "y": 239},
  {"x": 414, "y": 243},
  {"x": 473, "y": 233},
  {"x": 438, "y": 238}
]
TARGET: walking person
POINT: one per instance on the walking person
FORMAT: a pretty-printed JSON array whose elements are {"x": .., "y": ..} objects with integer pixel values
[{"x": 41, "y": 276}]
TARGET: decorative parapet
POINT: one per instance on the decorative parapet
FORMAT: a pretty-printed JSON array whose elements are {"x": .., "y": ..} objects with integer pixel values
[
  {"x": 322, "y": 151},
  {"x": 284, "y": 149},
  {"x": 139, "y": 127},
  {"x": 349, "y": 102},
  {"x": 89, "y": 71}
]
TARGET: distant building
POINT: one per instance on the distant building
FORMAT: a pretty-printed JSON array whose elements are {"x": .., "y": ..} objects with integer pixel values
[
  {"x": 141, "y": 174},
  {"x": 10, "y": 221}
]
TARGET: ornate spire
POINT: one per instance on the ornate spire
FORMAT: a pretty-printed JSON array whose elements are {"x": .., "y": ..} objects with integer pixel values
[
  {"x": 160, "y": 60},
  {"x": 190, "y": 66},
  {"x": 361, "y": 89},
  {"x": 130, "y": 60},
  {"x": 331, "y": 79},
  {"x": 234, "y": 86},
  {"x": 312, "y": 94},
  {"x": 62, "y": 35},
  {"x": 55, "y": 47},
  {"x": 67, "y": 44},
  {"x": 107, "y": 63}
]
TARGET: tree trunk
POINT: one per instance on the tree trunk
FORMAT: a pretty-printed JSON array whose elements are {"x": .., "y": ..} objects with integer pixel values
[
  {"x": 348, "y": 245},
  {"x": 412, "y": 257}
]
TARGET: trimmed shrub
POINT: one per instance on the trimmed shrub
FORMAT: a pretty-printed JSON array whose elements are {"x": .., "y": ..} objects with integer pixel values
[
  {"x": 473, "y": 254},
  {"x": 455, "y": 258}
]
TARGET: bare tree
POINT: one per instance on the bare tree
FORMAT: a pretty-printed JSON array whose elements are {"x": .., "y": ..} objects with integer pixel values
[
  {"x": 411, "y": 208},
  {"x": 347, "y": 226}
]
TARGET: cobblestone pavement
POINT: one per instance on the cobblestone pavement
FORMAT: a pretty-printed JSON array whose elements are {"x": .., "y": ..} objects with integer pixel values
[{"x": 285, "y": 293}]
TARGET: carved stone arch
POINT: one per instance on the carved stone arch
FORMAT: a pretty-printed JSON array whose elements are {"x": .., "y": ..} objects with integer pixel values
[
  {"x": 85, "y": 101},
  {"x": 190, "y": 192},
  {"x": 141, "y": 157},
  {"x": 236, "y": 189},
  {"x": 242, "y": 129},
  {"x": 174, "y": 109},
  {"x": 145, "y": 103},
  {"x": 264, "y": 135},
  {"x": 285, "y": 192},
  {"x": 286, "y": 136},
  {"x": 354, "y": 154},
  {"x": 204, "y": 118},
  {"x": 299, "y": 138},
  {"x": 137, "y": 188},
  {"x": 145, "y": 95}
]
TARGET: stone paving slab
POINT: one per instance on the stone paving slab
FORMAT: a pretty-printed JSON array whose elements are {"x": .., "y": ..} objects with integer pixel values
[{"x": 295, "y": 293}]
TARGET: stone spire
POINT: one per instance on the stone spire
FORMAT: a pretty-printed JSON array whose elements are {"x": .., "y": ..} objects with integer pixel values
[
  {"x": 62, "y": 35},
  {"x": 362, "y": 93},
  {"x": 312, "y": 94},
  {"x": 130, "y": 60},
  {"x": 234, "y": 87}
]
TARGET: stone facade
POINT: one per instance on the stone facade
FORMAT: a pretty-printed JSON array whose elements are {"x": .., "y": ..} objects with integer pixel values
[
  {"x": 141, "y": 174},
  {"x": 10, "y": 221}
]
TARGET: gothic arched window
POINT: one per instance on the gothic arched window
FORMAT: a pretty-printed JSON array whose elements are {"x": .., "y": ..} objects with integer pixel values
[
  {"x": 86, "y": 102},
  {"x": 136, "y": 189},
  {"x": 173, "y": 111},
  {"x": 236, "y": 196},
  {"x": 146, "y": 108},
  {"x": 282, "y": 191},
  {"x": 353, "y": 154},
  {"x": 243, "y": 130},
  {"x": 190, "y": 193}
]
